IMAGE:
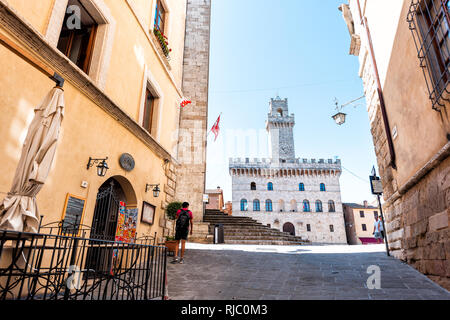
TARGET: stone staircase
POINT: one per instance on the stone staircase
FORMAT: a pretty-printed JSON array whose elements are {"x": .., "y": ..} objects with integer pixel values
[{"x": 244, "y": 230}]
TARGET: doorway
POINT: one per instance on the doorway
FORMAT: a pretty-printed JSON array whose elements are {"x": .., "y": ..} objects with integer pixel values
[
  {"x": 110, "y": 199},
  {"x": 289, "y": 228}
]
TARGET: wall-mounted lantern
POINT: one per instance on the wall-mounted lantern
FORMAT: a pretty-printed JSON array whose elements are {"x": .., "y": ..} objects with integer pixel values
[
  {"x": 156, "y": 189},
  {"x": 102, "y": 166}
]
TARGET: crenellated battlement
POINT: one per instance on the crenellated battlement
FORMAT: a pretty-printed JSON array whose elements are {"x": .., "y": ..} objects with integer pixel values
[
  {"x": 298, "y": 166},
  {"x": 260, "y": 161}
]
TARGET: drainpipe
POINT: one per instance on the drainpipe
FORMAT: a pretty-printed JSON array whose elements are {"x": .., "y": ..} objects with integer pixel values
[{"x": 379, "y": 89}]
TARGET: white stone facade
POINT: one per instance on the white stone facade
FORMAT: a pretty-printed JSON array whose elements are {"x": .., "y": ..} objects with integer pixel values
[{"x": 287, "y": 212}]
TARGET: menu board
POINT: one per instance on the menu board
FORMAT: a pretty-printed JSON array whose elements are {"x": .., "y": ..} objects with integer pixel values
[{"x": 73, "y": 214}]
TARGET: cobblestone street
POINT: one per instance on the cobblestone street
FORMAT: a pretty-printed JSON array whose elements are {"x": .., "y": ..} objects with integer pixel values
[{"x": 227, "y": 272}]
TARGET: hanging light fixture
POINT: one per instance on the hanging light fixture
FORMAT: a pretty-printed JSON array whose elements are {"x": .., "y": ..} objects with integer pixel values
[
  {"x": 340, "y": 118},
  {"x": 102, "y": 167},
  {"x": 156, "y": 189}
]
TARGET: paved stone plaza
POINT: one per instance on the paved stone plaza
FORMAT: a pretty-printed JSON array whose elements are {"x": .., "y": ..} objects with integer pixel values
[{"x": 227, "y": 272}]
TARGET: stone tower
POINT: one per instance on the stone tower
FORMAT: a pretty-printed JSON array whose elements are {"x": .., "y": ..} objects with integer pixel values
[
  {"x": 280, "y": 126},
  {"x": 194, "y": 118}
]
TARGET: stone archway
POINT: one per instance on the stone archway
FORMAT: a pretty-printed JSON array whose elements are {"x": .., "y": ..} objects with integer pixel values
[
  {"x": 289, "y": 228},
  {"x": 112, "y": 193}
]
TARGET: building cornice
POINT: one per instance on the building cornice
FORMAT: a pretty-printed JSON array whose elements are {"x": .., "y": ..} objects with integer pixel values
[{"x": 33, "y": 41}]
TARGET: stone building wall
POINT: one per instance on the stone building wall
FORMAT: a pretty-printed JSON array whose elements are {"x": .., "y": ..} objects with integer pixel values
[
  {"x": 287, "y": 200},
  {"x": 416, "y": 193},
  {"x": 194, "y": 118}
]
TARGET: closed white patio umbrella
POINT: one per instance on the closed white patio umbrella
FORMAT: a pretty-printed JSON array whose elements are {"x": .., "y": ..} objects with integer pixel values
[{"x": 18, "y": 211}]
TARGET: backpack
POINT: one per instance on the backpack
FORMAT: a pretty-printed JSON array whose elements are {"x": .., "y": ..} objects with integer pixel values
[{"x": 183, "y": 220}]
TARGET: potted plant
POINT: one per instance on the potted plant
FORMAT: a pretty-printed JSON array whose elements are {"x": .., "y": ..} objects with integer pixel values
[{"x": 171, "y": 213}]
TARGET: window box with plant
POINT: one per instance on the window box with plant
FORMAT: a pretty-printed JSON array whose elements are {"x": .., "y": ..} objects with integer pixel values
[{"x": 163, "y": 41}]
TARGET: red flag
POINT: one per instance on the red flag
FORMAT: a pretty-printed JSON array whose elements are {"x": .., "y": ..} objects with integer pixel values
[
  {"x": 184, "y": 102},
  {"x": 216, "y": 129}
]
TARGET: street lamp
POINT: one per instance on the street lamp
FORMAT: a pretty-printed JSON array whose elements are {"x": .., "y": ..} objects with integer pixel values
[
  {"x": 102, "y": 166},
  {"x": 340, "y": 117}
]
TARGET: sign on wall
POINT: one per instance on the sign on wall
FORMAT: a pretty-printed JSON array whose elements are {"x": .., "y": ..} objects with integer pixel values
[
  {"x": 73, "y": 214},
  {"x": 148, "y": 213}
]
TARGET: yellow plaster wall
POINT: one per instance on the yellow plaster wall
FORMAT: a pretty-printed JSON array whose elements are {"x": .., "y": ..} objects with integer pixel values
[
  {"x": 422, "y": 132},
  {"x": 36, "y": 12},
  {"x": 87, "y": 131},
  {"x": 368, "y": 220}
]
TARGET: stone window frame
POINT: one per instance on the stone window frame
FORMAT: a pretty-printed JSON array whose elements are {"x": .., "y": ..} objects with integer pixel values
[
  {"x": 256, "y": 205},
  {"x": 319, "y": 206},
  {"x": 253, "y": 186},
  {"x": 331, "y": 206},
  {"x": 104, "y": 39},
  {"x": 270, "y": 186},
  {"x": 269, "y": 205},
  {"x": 306, "y": 206},
  {"x": 308, "y": 228},
  {"x": 323, "y": 187},
  {"x": 301, "y": 187},
  {"x": 244, "y": 205},
  {"x": 331, "y": 228},
  {"x": 149, "y": 82}
]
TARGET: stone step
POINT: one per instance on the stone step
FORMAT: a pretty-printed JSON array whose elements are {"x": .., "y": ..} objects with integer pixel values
[
  {"x": 245, "y": 230},
  {"x": 226, "y": 219},
  {"x": 264, "y": 242},
  {"x": 244, "y": 238}
]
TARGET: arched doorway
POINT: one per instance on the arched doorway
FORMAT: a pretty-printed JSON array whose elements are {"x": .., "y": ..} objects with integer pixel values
[
  {"x": 114, "y": 194},
  {"x": 289, "y": 228}
]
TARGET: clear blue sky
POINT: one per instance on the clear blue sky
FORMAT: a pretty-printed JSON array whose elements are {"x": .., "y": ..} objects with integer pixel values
[{"x": 297, "y": 49}]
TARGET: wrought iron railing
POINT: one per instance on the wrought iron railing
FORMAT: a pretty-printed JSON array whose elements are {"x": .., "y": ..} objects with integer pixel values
[
  {"x": 430, "y": 25},
  {"x": 37, "y": 266}
]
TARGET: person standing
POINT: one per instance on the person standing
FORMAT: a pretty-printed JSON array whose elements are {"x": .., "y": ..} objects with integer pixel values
[
  {"x": 376, "y": 230},
  {"x": 184, "y": 223},
  {"x": 380, "y": 220}
]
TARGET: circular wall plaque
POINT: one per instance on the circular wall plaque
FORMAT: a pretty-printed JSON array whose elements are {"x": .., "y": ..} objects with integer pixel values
[{"x": 127, "y": 162}]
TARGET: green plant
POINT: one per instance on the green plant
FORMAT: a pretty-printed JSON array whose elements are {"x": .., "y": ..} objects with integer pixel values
[
  {"x": 163, "y": 41},
  {"x": 168, "y": 238},
  {"x": 172, "y": 209}
]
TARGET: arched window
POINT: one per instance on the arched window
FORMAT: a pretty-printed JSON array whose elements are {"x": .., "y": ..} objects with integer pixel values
[
  {"x": 281, "y": 206},
  {"x": 306, "y": 206},
  {"x": 280, "y": 112},
  {"x": 269, "y": 206},
  {"x": 301, "y": 187},
  {"x": 293, "y": 206},
  {"x": 322, "y": 187},
  {"x": 253, "y": 186},
  {"x": 319, "y": 207},
  {"x": 244, "y": 205},
  {"x": 270, "y": 186},
  {"x": 331, "y": 206},
  {"x": 256, "y": 205}
]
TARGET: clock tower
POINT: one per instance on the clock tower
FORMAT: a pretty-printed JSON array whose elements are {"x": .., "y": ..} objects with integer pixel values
[{"x": 280, "y": 126}]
